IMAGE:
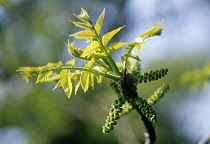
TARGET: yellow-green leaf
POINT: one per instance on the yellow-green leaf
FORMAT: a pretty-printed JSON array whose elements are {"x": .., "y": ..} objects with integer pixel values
[
  {"x": 53, "y": 77},
  {"x": 119, "y": 65},
  {"x": 43, "y": 76},
  {"x": 154, "y": 30},
  {"x": 71, "y": 62},
  {"x": 83, "y": 34},
  {"x": 94, "y": 57},
  {"x": 57, "y": 85},
  {"x": 93, "y": 46},
  {"x": 99, "y": 22},
  {"x": 116, "y": 45},
  {"x": 108, "y": 36},
  {"x": 66, "y": 81},
  {"x": 133, "y": 55},
  {"x": 92, "y": 79},
  {"x": 85, "y": 80},
  {"x": 99, "y": 79},
  {"x": 77, "y": 82},
  {"x": 82, "y": 25},
  {"x": 138, "y": 42},
  {"x": 90, "y": 62},
  {"x": 83, "y": 16}
]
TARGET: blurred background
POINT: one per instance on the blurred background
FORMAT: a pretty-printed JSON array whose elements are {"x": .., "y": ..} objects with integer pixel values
[{"x": 33, "y": 32}]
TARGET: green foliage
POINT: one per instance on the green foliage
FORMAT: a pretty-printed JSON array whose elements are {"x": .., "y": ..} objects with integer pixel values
[
  {"x": 197, "y": 77},
  {"x": 100, "y": 64}
]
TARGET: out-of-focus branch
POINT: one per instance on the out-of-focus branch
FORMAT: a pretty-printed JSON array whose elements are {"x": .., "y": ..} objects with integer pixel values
[{"x": 205, "y": 139}]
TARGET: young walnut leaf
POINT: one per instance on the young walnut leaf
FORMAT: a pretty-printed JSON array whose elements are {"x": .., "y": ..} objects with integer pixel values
[
  {"x": 83, "y": 34},
  {"x": 116, "y": 45},
  {"x": 71, "y": 62},
  {"x": 57, "y": 85},
  {"x": 99, "y": 22},
  {"x": 76, "y": 77},
  {"x": 82, "y": 25},
  {"x": 85, "y": 78},
  {"x": 53, "y": 77},
  {"x": 66, "y": 81},
  {"x": 93, "y": 46},
  {"x": 43, "y": 76},
  {"x": 108, "y": 36},
  {"x": 133, "y": 55},
  {"x": 154, "y": 30}
]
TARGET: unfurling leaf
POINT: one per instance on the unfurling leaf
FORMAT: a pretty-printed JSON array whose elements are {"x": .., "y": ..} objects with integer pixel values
[
  {"x": 43, "y": 76},
  {"x": 84, "y": 16},
  {"x": 76, "y": 52},
  {"x": 106, "y": 38},
  {"x": 99, "y": 22},
  {"x": 66, "y": 81},
  {"x": 82, "y": 25},
  {"x": 83, "y": 34}
]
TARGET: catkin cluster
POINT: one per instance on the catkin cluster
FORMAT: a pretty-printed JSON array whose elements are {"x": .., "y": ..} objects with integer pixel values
[
  {"x": 146, "y": 109},
  {"x": 159, "y": 93},
  {"x": 152, "y": 75}
]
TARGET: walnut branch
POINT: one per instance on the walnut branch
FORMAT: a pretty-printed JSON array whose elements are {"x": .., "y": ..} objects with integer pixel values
[{"x": 129, "y": 90}]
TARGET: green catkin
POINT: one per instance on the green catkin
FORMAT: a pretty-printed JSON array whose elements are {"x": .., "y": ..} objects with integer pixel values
[
  {"x": 146, "y": 109},
  {"x": 151, "y": 76},
  {"x": 119, "y": 107},
  {"x": 159, "y": 93},
  {"x": 114, "y": 115}
]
